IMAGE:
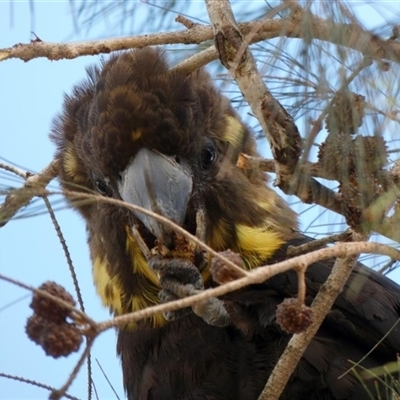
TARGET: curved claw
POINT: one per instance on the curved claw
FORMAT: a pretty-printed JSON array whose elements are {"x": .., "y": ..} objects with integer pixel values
[
  {"x": 176, "y": 270},
  {"x": 180, "y": 278},
  {"x": 213, "y": 312},
  {"x": 165, "y": 296}
]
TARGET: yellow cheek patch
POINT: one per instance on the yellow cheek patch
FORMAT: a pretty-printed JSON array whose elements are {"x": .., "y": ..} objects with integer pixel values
[
  {"x": 256, "y": 244},
  {"x": 233, "y": 133},
  {"x": 139, "y": 263},
  {"x": 108, "y": 288},
  {"x": 71, "y": 165}
]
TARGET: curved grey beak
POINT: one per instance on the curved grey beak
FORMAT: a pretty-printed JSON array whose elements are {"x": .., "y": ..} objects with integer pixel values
[{"x": 157, "y": 183}]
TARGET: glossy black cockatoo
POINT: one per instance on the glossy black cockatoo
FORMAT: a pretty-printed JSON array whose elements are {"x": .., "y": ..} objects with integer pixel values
[{"x": 169, "y": 141}]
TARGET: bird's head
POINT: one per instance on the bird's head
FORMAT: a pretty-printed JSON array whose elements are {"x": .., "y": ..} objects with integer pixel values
[{"x": 169, "y": 142}]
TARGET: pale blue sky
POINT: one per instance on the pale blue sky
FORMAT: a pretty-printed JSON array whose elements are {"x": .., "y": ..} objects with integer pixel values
[{"x": 30, "y": 95}]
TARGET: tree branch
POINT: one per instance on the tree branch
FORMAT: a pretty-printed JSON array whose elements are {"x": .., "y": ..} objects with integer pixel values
[
  {"x": 282, "y": 134},
  {"x": 332, "y": 201},
  {"x": 299, "y": 342},
  {"x": 348, "y": 35},
  {"x": 35, "y": 383},
  {"x": 255, "y": 276},
  {"x": 21, "y": 197}
]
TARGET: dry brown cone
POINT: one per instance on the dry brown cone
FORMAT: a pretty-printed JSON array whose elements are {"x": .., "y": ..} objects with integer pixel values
[
  {"x": 356, "y": 163},
  {"x": 357, "y": 195},
  {"x": 48, "y": 327},
  {"x": 292, "y": 316},
  {"x": 48, "y": 308},
  {"x": 56, "y": 339},
  {"x": 222, "y": 273},
  {"x": 353, "y": 215},
  {"x": 364, "y": 180},
  {"x": 334, "y": 156},
  {"x": 183, "y": 248},
  {"x": 346, "y": 113},
  {"x": 371, "y": 152}
]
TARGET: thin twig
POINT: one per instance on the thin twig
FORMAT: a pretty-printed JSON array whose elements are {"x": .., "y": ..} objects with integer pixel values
[
  {"x": 66, "y": 252},
  {"x": 89, "y": 376},
  {"x": 318, "y": 243},
  {"x": 21, "y": 197},
  {"x": 186, "y": 22},
  {"x": 323, "y": 29},
  {"x": 77, "y": 315},
  {"x": 59, "y": 393},
  {"x": 106, "y": 377},
  {"x": 34, "y": 383},
  {"x": 197, "y": 60},
  {"x": 307, "y": 189},
  {"x": 96, "y": 197},
  {"x": 15, "y": 170},
  {"x": 301, "y": 277},
  {"x": 12, "y": 303},
  {"x": 293, "y": 5},
  {"x": 330, "y": 200},
  {"x": 278, "y": 126},
  {"x": 321, "y": 305},
  {"x": 387, "y": 267},
  {"x": 372, "y": 349},
  {"x": 74, "y": 280},
  {"x": 310, "y": 139},
  {"x": 255, "y": 276}
]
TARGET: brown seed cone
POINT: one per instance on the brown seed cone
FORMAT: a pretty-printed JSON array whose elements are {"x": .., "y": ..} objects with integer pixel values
[
  {"x": 292, "y": 317},
  {"x": 335, "y": 156},
  {"x": 372, "y": 152},
  {"x": 62, "y": 341},
  {"x": 48, "y": 308},
  {"x": 56, "y": 339},
  {"x": 346, "y": 113},
  {"x": 35, "y": 326},
  {"x": 356, "y": 164},
  {"x": 183, "y": 248},
  {"x": 222, "y": 273}
]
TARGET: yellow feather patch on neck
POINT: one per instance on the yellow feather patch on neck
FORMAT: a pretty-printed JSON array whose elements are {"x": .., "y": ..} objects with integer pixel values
[
  {"x": 256, "y": 244},
  {"x": 139, "y": 263},
  {"x": 150, "y": 285},
  {"x": 108, "y": 287},
  {"x": 112, "y": 292},
  {"x": 233, "y": 133},
  {"x": 70, "y": 165}
]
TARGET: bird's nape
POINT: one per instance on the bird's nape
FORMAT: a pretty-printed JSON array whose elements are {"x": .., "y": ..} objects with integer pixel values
[{"x": 169, "y": 142}]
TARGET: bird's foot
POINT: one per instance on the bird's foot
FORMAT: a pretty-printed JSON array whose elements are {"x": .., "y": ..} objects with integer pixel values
[{"x": 180, "y": 278}]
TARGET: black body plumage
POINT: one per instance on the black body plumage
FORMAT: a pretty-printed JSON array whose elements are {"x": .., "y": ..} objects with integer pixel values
[{"x": 132, "y": 109}]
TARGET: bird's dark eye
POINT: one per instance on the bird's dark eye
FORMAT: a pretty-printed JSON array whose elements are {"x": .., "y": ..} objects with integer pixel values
[
  {"x": 208, "y": 155},
  {"x": 102, "y": 188}
]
